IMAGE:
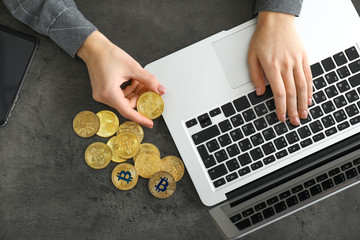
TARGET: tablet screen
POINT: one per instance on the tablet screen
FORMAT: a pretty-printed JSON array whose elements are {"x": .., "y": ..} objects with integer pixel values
[{"x": 16, "y": 52}]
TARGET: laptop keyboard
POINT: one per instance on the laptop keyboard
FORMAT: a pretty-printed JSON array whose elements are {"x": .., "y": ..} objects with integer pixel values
[{"x": 251, "y": 137}]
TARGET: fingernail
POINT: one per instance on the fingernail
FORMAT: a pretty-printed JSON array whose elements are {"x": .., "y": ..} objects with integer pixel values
[
  {"x": 310, "y": 101},
  {"x": 304, "y": 114},
  {"x": 161, "y": 89},
  {"x": 297, "y": 121},
  {"x": 283, "y": 118},
  {"x": 258, "y": 91}
]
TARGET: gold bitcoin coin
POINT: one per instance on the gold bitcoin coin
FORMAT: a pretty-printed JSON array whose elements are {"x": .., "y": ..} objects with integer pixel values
[
  {"x": 150, "y": 105},
  {"x": 162, "y": 185},
  {"x": 131, "y": 127},
  {"x": 147, "y": 164},
  {"x": 124, "y": 176},
  {"x": 86, "y": 124},
  {"x": 98, "y": 155},
  {"x": 126, "y": 145},
  {"x": 115, "y": 157},
  {"x": 148, "y": 148},
  {"x": 109, "y": 123},
  {"x": 174, "y": 166}
]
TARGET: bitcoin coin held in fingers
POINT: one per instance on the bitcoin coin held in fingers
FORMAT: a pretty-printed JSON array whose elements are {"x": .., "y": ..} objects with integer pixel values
[
  {"x": 86, "y": 124},
  {"x": 162, "y": 185},
  {"x": 115, "y": 157},
  {"x": 148, "y": 148},
  {"x": 174, "y": 166},
  {"x": 124, "y": 176},
  {"x": 147, "y": 164},
  {"x": 131, "y": 127},
  {"x": 150, "y": 105},
  {"x": 126, "y": 145},
  {"x": 109, "y": 123},
  {"x": 98, "y": 155}
]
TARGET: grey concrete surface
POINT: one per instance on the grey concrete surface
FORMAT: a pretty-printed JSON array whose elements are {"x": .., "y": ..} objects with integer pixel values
[{"x": 46, "y": 189}]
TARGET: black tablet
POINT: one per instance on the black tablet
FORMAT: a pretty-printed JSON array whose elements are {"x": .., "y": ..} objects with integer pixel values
[{"x": 16, "y": 53}]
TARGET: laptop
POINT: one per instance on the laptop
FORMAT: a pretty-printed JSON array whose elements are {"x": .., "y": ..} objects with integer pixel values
[{"x": 252, "y": 168}]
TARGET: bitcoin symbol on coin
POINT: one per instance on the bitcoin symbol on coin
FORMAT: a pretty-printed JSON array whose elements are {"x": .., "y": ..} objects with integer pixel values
[
  {"x": 126, "y": 176},
  {"x": 162, "y": 186}
]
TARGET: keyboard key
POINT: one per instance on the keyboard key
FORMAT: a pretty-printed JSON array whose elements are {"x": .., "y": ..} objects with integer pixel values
[
  {"x": 291, "y": 201},
  {"x": 244, "y": 171},
  {"x": 321, "y": 177},
  {"x": 249, "y": 115},
  {"x": 316, "y": 70},
  {"x": 351, "y": 173},
  {"x": 272, "y": 118},
  {"x": 306, "y": 120},
  {"x": 334, "y": 171},
  {"x": 318, "y": 137},
  {"x": 340, "y": 58},
  {"x": 316, "y": 112},
  {"x": 256, "y": 218},
  {"x": 346, "y": 166},
  {"x": 202, "y": 151},
  {"x": 294, "y": 148},
  {"x": 233, "y": 150},
  {"x": 221, "y": 156},
  {"x": 225, "y": 126},
  {"x": 327, "y": 184},
  {"x": 231, "y": 177},
  {"x": 319, "y": 82},
  {"x": 340, "y": 115},
  {"x": 289, "y": 125},
  {"x": 281, "y": 154},
  {"x": 256, "y": 165},
  {"x": 292, "y": 137},
  {"x": 244, "y": 159},
  {"x": 243, "y": 224},
  {"x": 191, "y": 123},
  {"x": 259, "y": 206},
  {"x": 204, "y": 120},
  {"x": 316, "y": 126},
  {"x": 315, "y": 190},
  {"x": 224, "y": 140},
  {"x": 254, "y": 99},
  {"x": 328, "y": 121},
  {"x": 330, "y": 131},
  {"x": 340, "y": 101},
  {"x": 215, "y": 112},
  {"x": 328, "y": 106},
  {"x": 280, "y": 143},
  {"x": 228, "y": 109},
  {"x": 351, "y": 53},
  {"x": 236, "y": 135},
  {"x": 235, "y": 218},
  {"x": 355, "y": 120},
  {"x": 241, "y": 103},
  {"x": 331, "y": 91},
  {"x": 309, "y": 183},
  {"x": 219, "y": 182},
  {"x": 209, "y": 161},
  {"x": 328, "y": 64},
  {"x": 355, "y": 80},
  {"x": 260, "y": 124},
  {"x": 269, "y": 212},
  {"x": 331, "y": 77},
  {"x": 205, "y": 134},
  {"x": 237, "y": 120},
  {"x": 343, "y": 72},
  {"x": 304, "y": 132},
  {"x": 285, "y": 194},
  {"x": 343, "y": 126},
  {"x": 271, "y": 104},
  {"x": 256, "y": 154},
  {"x": 356, "y": 161},
  {"x": 272, "y": 200},
  {"x": 232, "y": 164},
  {"x": 268, "y": 160},
  {"x": 343, "y": 86},
  {"x": 245, "y": 145},
  {"x": 280, "y": 128},
  {"x": 268, "y": 148},
  {"x": 260, "y": 109},
  {"x": 352, "y": 96},
  {"x": 268, "y": 134},
  {"x": 256, "y": 139},
  {"x": 212, "y": 145},
  {"x": 355, "y": 66},
  {"x": 297, "y": 189},
  {"x": 248, "y": 129},
  {"x": 306, "y": 142},
  {"x": 217, "y": 171},
  {"x": 339, "y": 179},
  {"x": 352, "y": 110},
  {"x": 304, "y": 195},
  {"x": 319, "y": 97}
]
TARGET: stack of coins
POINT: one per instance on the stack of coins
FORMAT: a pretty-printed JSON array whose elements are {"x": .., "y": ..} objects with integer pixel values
[{"x": 127, "y": 144}]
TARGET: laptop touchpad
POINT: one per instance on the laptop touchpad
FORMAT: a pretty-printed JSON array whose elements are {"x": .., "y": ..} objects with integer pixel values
[{"x": 232, "y": 54}]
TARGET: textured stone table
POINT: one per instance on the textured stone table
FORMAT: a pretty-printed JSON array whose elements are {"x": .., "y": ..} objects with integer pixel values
[{"x": 46, "y": 189}]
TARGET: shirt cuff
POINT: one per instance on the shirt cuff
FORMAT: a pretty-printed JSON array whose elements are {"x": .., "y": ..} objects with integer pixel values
[
  {"x": 70, "y": 30},
  {"x": 284, "y": 6}
]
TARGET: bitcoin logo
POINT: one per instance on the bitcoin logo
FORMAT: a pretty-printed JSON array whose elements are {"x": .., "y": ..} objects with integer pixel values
[
  {"x": 161, "y": 187},
  {"x": 150, "y": 105},
  {"x": 126, "y": 176},
  {"x": 126, "y": 145},
  {"x": 98, "y": 155}
]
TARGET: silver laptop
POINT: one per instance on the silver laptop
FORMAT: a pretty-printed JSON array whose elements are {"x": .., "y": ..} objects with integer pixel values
[{"x": 240, "y": 158}]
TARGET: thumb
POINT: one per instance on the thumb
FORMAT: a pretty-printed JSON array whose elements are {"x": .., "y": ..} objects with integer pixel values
[
  {"x": 149, "y": 81},
  {"x": 256, "y": 73}
]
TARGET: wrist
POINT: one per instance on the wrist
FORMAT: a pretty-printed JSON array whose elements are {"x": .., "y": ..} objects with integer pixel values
[
  {"x": 96, "y": 43},
  {"x": 274, "y": 18}
]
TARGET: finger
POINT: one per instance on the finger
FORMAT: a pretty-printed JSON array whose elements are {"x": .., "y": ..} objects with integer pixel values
[
  {"x": 131, "y": 88},
  {"x": 301, "y": 91},
  {"x": 122, "y": 105},
  {"x": 132, "y": 99},
  {"x": 149, "y": 80},
  {"x": 256, "y": 73},
  {"x": 291, "y": 97},
  {"x": 308, "y": 76}
]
